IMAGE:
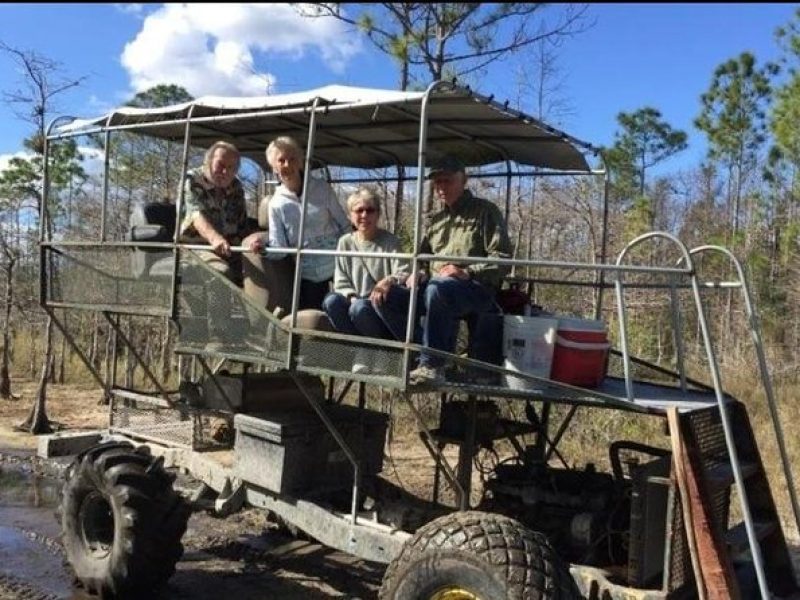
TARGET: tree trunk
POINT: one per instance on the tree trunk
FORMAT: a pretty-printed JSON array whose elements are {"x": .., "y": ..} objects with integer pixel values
[
  {"x": 37, "y": 421},
  {"x": 62, "y": 359},
  {"x": 166, "y": 347},
  {"x": 51, "y": 373},
  {"x": 401, "y": 170},
  {"x": 94, "y": 347},
  {"x": 130, "y": 360},
  {"x": 5, "y": 379},
  {"x": 32, "y": 364},
  {"x": 398, "y": 200}
]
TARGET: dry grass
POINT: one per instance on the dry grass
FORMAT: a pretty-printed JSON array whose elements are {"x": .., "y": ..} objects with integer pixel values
[
  {"x": 72, "y": 407},
  {"x": 77, "y": 406}
]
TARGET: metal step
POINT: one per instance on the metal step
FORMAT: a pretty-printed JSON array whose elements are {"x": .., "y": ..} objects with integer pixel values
[
  {"x": 720, "y": 476},
  {"x": 736, "y": 537}
]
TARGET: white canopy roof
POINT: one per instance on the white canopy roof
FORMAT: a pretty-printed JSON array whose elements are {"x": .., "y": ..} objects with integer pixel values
[{"x": 360, "y": 127}]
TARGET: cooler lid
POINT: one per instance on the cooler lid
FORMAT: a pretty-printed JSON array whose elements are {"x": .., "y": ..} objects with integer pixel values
[{"x": 576, "y": 324}]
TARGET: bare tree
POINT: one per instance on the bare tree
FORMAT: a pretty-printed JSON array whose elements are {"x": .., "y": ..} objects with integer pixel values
[
  {"x": 10, "y": 256},
  {"x": 41, "y": 82},
  {"x": 452, "y": 39},
  {"x": 541, "y": 89},
  {"x": 433, "y": 41}
]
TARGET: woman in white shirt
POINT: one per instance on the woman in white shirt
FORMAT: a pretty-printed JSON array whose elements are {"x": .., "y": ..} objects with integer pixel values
[{"x": 325, "y": 221}]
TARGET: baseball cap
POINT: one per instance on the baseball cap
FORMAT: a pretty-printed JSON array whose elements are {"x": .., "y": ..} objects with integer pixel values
[{"x": 446, "y": 164}]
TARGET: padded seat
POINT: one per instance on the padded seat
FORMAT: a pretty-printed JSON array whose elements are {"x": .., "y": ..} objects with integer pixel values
[{"x": 152, "y": 222}]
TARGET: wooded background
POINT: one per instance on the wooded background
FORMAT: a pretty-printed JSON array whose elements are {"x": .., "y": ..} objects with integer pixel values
[{"x": 743, "y": 195}]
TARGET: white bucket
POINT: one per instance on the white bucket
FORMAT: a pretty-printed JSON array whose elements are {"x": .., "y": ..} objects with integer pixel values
[{"x": 528, "y": 344}]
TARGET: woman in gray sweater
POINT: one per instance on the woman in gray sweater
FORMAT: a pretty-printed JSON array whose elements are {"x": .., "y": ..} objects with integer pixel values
[{"x": 359, "y": 281}]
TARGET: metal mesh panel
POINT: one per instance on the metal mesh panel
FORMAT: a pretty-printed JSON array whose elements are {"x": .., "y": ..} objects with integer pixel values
[
  {"x": 214, "y": 316},
  {"x": 323, "y": 354},
  {"x": 176, "y": 425},
  {"x": 102, "y": 277},
  {"x": 705, "y": 429},
  {"x": 680, "y": 566}
]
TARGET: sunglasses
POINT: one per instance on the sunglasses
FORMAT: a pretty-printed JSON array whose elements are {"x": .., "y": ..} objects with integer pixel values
[{"x": 368, "y": 211}]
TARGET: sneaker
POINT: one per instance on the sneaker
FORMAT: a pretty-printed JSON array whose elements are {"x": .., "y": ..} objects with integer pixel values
[
  {"x": 252, "y": 344},
  {"x": 216, "y": 346},
  {"x": 426, "y": 375},
  {"x": 361, "y": 360}
]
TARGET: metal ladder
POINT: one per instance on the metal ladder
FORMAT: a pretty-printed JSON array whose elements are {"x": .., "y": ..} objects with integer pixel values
[{"x": 750, "y": 481}]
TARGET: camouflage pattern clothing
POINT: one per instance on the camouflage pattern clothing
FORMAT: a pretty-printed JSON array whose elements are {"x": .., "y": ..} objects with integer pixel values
[{"x": 223, "y": 208}]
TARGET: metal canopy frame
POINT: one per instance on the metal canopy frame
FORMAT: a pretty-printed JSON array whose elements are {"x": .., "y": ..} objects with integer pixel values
[{"x": 361, "y": 128}]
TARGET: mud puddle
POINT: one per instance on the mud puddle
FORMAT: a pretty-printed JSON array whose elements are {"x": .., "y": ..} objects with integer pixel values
[
  {"x": 31, "y": 558},
  {"x": 241, "y": 556}
]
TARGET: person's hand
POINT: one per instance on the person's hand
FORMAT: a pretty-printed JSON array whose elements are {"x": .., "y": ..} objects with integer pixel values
[
  {"x": 254, "y": 242},
  {"x": 453, "y": 271},
  {"x": 412, "y": 282},
  {"x": 381, "y": 289},
  {"x": 220, "y": 246}
]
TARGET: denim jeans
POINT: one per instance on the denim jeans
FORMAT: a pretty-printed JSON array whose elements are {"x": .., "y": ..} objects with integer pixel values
[
  {"x": 445, "y": 300},
  {"x": 356, "y": 318}
]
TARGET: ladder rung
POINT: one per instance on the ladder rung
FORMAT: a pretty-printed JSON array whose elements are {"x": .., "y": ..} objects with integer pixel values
[
  {"x": 720, "y": 476},
  {"x": 736, "y": 537}
]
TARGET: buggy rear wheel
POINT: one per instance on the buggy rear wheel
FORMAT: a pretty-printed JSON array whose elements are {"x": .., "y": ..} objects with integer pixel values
[
  {"x": 122, "y": 522},
  {"x": 477, "y": 556}
]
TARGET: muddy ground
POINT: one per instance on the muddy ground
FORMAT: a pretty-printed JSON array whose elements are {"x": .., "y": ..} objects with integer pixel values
[{"x": 244, "y": 556}]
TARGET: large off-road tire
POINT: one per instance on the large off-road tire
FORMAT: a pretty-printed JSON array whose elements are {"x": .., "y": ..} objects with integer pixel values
[
  {"x": 121, "y": 521},
  {"x": 477, "y": 556}
]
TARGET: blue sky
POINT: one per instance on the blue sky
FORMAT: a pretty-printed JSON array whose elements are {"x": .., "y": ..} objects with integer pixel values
[{"x": 660, "y": 55}]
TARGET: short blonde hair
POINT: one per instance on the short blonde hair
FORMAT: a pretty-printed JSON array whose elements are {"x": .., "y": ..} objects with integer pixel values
[
  {"x": 227, "y": 147},
  {"x": 283, "y": 143},
  {"x": 366, "y": 195}
]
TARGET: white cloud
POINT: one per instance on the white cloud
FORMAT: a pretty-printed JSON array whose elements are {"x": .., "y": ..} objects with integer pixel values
[
  {"x": 209, "y": 48},
  {"x": 5, "y": 159},
  {"x": 92, "y": 159}
]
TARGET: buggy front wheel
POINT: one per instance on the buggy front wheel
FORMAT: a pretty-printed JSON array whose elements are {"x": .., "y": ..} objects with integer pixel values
[{"x": 477, "y": 556}]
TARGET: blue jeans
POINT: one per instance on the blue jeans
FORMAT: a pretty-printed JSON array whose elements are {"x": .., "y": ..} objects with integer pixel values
[
  {"x": 357, "y": 318},
  {"x": 445, "y": 300}
]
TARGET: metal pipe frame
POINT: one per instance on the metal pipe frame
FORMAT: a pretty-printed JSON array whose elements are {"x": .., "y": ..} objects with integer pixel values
[
  {"x": 339, "y": 440},
  {"x": 766, "y": 379},
  {"x": 755, "y": 549},
  {"x": 187, "y": 137},
  {"x": 71, "y": 341},
  {"x": 137, "y": 356},
  {"x": 478, "y": 175},
  {"x": 623, "y": 324},
  {"x": 677, "y": 327},
  {"x": 686, "y": 257},
  {"x": 437, "y": 455}
]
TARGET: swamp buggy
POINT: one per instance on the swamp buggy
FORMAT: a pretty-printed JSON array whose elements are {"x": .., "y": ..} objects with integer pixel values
[{"x": 271, "y": 415}]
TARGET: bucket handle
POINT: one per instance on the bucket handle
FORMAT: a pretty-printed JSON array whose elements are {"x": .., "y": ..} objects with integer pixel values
[{"x": 560, "y": 341}]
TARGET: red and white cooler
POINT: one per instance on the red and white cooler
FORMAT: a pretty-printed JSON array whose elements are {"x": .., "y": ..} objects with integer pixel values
[{"x": 581, "y": 352}]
